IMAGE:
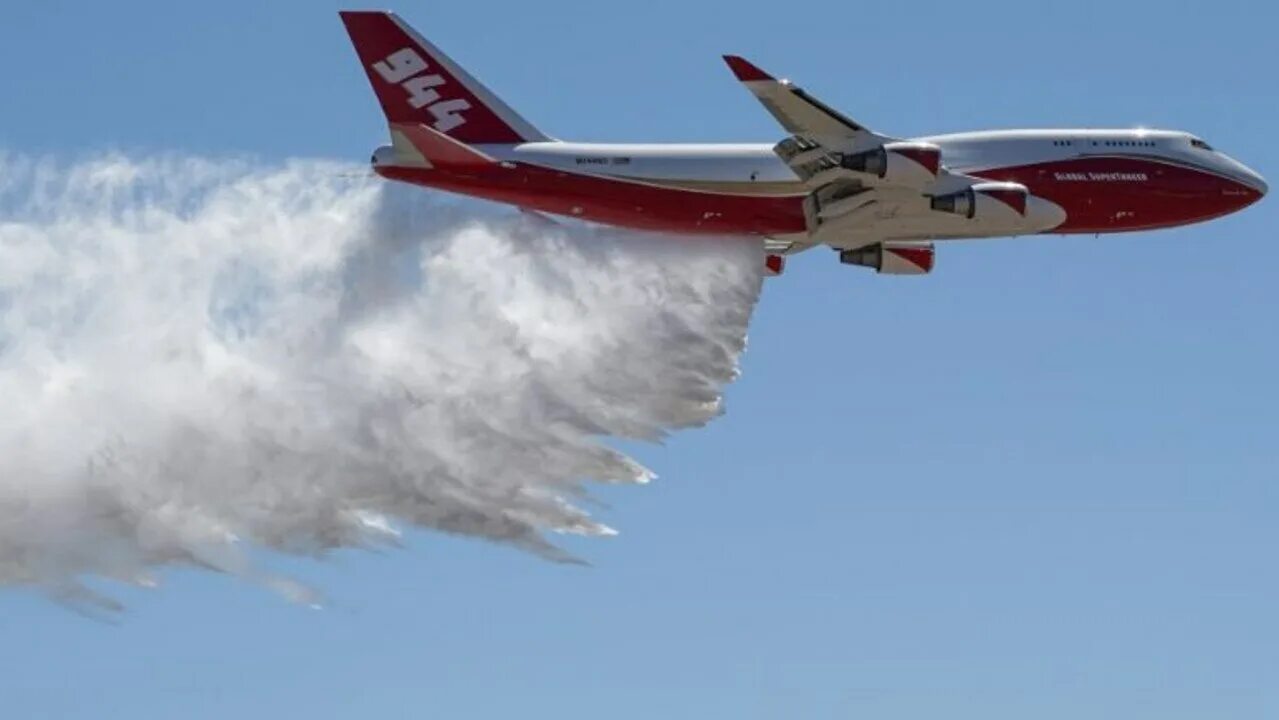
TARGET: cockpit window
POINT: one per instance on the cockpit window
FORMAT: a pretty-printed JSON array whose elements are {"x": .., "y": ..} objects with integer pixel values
[{"x": 1196, "y": 142}]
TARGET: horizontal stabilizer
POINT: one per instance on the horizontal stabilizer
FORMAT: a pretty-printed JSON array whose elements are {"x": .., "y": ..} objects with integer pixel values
[{"x": 416, "y": 143}]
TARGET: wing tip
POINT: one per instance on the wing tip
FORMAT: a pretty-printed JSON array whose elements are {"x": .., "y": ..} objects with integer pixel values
[{"x": 745, "y": 70}]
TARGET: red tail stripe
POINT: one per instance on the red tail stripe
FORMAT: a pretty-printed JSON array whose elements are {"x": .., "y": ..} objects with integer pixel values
[{"x": 445, "y": 103}]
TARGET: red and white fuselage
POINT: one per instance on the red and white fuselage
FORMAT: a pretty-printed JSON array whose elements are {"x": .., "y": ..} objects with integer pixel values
[
  {"x": 834, "y": 182},
  {"x": 1103, "y": 181}
]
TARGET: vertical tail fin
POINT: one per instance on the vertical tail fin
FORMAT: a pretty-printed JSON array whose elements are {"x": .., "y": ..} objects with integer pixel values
[{"x": 418, "y": 84}]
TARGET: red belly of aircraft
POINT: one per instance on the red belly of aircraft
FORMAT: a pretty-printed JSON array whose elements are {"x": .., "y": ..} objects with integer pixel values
[{"x": 618, "y": 202}]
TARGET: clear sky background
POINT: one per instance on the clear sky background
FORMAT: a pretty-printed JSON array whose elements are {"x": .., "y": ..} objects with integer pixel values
[{"x": 1040, "y": 483}]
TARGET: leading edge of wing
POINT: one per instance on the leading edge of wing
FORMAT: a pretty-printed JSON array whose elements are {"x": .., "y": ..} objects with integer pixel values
[{"x": 797, "y": 111}]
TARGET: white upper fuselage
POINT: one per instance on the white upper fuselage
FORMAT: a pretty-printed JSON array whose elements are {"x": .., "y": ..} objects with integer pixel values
[{"x": 966, "y": 152}]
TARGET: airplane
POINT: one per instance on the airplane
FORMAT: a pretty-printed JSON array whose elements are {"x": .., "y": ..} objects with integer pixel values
[{"x": 879, "y": 200}]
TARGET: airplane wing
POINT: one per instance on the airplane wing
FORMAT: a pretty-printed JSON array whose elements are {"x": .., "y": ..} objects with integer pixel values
[
  {"x": 864, "y": 187},
  {"x": 798, "y": 112}
]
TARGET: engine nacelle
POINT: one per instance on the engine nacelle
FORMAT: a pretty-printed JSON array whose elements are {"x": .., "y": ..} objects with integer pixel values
[
  {"x": 990, "y": 200},
  {"x": 901, "y": 163},
  {"x": 893, "y": 258}
]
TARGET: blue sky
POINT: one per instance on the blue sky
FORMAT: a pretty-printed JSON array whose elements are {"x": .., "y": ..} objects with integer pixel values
[{"x": 1039, "y": 483}]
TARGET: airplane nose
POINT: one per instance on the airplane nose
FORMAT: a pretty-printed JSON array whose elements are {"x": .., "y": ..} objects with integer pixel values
[
  {"x": 1248, "y": 177},
  {"x": 1256, "y": 185},
  {"x": 1253, "y": 180},
  {"x": 1246, "y": 186}
]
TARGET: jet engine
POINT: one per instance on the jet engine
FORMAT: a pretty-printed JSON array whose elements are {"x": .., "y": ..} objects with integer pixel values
[
  {"x": 985, "y": 200},
  {"x": 901, "y": 163},
  {"x": 893, "y": 258}
]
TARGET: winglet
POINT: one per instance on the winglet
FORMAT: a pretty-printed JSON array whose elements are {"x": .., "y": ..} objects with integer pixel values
[{"x": 744, "y": 70}]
